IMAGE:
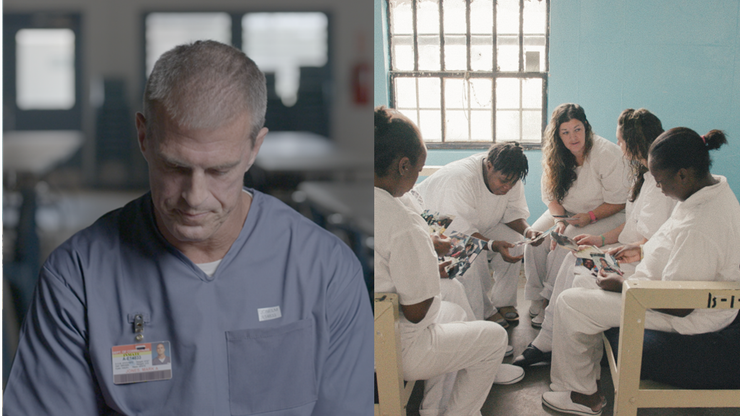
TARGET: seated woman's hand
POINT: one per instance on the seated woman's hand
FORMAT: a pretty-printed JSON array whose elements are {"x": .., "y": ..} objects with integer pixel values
[
  {"x": 629, "y": 253},
  {"x": 560, "y": 227},
  {"x": 532, "y": 234},
  {"x": 587, "y": 240},
  {"x": 443, "y": 269},
  {"x": 502, "y": 247},
  {"x": 442, "y": 244},
  {"x": 580, "y": 220},
  {"x": 611, "y": 283}
]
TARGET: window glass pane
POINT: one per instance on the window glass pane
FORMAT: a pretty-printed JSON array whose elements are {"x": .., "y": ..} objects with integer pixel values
[
  {"x": 507, "y": 125},
  {"x": 164, "y": 31},
  {"x": 429, "y": 53},
  {"x": 481, "y": 53},
  {"x": 455, "y": 94},
  {"x": 535, "y": 17},
  {"x": 455, "y": 55},
  {"x": 532, "y": 93},
  {"x": 480, "y": 122},
  {"x": 430, "y": 124},
  {"x": 508, "y": 53},
  {"x": 282, "y": 43},
  {"x": 429, "y": 93},
  {"x": 507, "y": 17},
  {"x": 403, "y": 53},
  {"x": 534, "y": 53},
  {"x": 45, "y": 69},
  {"x": 480, "y": 93},
  {"x": 401, "y": 21},
  {"x": 507, "y": 93},
  {"x": 454, "y": 17},
  {"x": 456, "y": 126},
  {"x": 413, "y": 115},
  {"x": 427, "y": 16},
  {"x": 481, "y": 17},
  {"x": 405, "y": 92},
  {"x": 532, "y": 126}
]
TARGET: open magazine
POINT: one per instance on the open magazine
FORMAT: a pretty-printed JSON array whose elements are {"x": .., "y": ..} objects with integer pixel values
[
  {"x": 464, "y": 249},
  {"x": 437, "y": 222},
  {"x": 591, "y": 257}
]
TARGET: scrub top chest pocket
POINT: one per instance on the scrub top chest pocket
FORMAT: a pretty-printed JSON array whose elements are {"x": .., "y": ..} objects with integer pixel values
[{"x": 271, "y": 368}]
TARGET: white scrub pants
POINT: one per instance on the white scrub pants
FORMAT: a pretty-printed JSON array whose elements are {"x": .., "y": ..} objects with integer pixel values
[
  {"x": 542, "y": 265},
  {"x": 451, "y": 290},
  {"x": 471, "y": 350},
  {"x": 581, "y": 315},
  {"x": 565, "y": 280},
  {"x": 486, "y": 293}
]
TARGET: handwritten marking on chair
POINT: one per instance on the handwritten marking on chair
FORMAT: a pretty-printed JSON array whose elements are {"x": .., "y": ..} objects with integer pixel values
[{"x": 723, "y": 301}]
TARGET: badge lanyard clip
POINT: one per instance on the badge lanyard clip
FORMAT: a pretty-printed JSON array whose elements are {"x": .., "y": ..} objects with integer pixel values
[{"x": 139, "y": 327}]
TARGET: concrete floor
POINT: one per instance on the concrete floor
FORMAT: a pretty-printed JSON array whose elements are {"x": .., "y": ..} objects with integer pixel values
[{"x": 525, "y": 397}]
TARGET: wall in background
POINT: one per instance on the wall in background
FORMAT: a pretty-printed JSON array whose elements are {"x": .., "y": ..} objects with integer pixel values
[
  {"x": 679, "y": 59},
  {"x": 112, "y": 43}
]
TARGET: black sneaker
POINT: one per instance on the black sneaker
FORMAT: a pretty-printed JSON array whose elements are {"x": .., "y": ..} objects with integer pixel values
[{"x": 532, "y": 356}]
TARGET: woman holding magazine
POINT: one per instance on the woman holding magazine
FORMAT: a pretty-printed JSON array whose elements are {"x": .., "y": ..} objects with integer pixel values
[
  {"x": 691, "y": 245},
  {"x": 585, "y": 185},
  {"x": 435, "y": 340},
  {"x": 647, "y": 209}
]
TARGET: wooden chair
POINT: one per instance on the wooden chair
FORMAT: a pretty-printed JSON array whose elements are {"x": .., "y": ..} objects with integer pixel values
[
  {"x": 637, "y": 296},
  {"x": 393, "y": 396}
]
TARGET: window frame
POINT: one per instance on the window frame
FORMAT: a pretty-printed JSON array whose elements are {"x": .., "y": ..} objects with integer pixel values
[
  {"x": 15, "y": 118},
  {"x": 327, "y": 71},
  {"x": 493, "y": 75}
]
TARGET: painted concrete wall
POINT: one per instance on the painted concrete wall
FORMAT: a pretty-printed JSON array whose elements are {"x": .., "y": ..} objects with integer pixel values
[{"x": 680, "y": 59}]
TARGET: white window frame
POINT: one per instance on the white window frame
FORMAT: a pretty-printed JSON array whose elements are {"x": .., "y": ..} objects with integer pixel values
[{"x": 469, "y": 74}]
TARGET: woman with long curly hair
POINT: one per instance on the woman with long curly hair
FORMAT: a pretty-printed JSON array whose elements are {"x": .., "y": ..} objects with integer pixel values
[
  {"x": 647, "y": 209},
  {"x": 585, "y": 184}
]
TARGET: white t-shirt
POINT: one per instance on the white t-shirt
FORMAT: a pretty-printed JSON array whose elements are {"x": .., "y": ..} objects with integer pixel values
[
  {"x": 405, "y": 261},
  {"x": 458, "y": 189},
  {"x": 699, "y": 242},
  {"x": 603, "y": 177},
  {"x": 647, "y": 213}
]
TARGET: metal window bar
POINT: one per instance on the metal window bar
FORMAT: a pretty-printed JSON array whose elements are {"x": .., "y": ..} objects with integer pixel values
[{"x": 443, "y": 75}]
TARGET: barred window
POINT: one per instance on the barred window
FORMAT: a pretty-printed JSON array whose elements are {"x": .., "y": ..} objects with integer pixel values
[{"x": 470, "y": 72}]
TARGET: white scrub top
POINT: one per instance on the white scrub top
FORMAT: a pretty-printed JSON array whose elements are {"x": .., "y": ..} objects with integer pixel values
[
  {"x": 405, "y": 260},
  {"x": 647, "y": 213},
  {"x": 458, "y": 189},
  {"x": 698, "y": 243},
  {"x": 604, "y": 177}
]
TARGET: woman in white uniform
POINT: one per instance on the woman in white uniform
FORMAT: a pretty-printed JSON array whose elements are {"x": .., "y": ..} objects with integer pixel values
[
  {"x": 485, "y": 193},
  {"x": 698, "y": 242},
  {"x": 585, "y": 180},
  {"x": 647, "y": 209},
  {"x": 435, "y": 340}
]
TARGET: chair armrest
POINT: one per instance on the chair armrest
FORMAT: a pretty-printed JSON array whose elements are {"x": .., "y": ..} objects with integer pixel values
[
  {"x": 640, "y": 295},
  {"x": 649, "y": 294}
]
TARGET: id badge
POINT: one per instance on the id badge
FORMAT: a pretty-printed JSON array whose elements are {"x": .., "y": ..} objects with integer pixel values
[{"x": 150, "y": 361}]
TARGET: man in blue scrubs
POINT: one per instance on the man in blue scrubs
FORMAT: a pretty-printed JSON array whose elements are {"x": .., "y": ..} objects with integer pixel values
[{"x": 263, "y": 312}]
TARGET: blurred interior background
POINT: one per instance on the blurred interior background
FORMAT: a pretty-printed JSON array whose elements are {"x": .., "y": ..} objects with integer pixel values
[{"x": 73, "y": 76}]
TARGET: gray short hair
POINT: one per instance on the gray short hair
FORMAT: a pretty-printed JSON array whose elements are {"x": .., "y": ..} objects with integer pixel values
[{"x": 204, "y": 85}]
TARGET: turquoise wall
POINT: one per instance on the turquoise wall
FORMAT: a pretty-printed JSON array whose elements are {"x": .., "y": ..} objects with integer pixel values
[{"x": 680, "y": 59}]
